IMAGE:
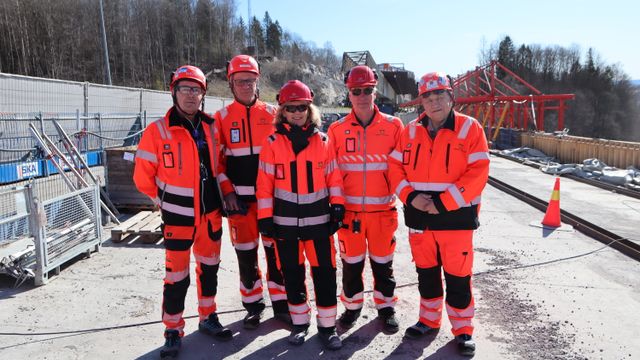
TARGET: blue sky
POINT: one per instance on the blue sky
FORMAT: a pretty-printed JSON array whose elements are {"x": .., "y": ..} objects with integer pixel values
[{"x": 448, "y": 35}]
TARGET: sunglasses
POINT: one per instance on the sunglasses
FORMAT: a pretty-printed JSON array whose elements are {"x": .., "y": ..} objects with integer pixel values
[
  {"x": 434, "y": 92},
  {"x": 294, "y": 108},
  {"x": 358, "y": 91}
]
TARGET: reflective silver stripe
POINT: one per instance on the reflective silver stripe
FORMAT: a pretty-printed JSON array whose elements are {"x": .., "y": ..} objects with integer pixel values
[
  {"x": 171, "y": 318},
  {"x": 465, "y": 128},
  {"x": 412, "y": 130},
  {"x": 265, "y": 203},
  {"x": 461, "y": 313},
  {"x": 213, "y": 260},
  {"x": 267, "y": 168},
  {"x": 243, "y": 151},
  {"x": 161, "y": 129},
  {"x": 245, "y": 190},
  {"x": 300, "y": 308},
  {"x": 173, "y": 189},
  {"x": 330, "y": 167},
  {"x": 224, "y": 112},
  {"x": 146, "y": 155},
  {"x": 175, "y": 276},
  {"x": 207, "y": 301},
  {"x": 476, "y": 200},
  {"x": 352, "y": 259},
  {"x": 384, "y": 301},
  {"x": 369, "y": 200},
  {"x": 397, "y": 155},
  {"x": 292, "y": 221},
  {"x": 335, "y": 191},
  {"x": 430, "y": 186},
  {"x": 361, "y": 167},
  {"x": 246, "y": 246},
  {"x": 251, "y": 299},
  {"x": 177, "y": 209},
  {"x": 256, "y": 285},
  {"x": 300, "y": 198},
  {"x": 326, "y": 316},
  {"x": 156, "y": 200},
  {"x": 435, "y": 304},
  {"x": 222, "y": 178},
  {"x": 457, "y": 195},
  {"x": 403, "y": 184},
  {"x": 483, "y": 155},
  {"x": 381, "y": 259}
]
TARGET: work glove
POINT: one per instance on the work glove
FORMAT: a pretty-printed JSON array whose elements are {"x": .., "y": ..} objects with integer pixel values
[
  {"x": 266, "y": 227},
  {"x": 336, "y": 214}
]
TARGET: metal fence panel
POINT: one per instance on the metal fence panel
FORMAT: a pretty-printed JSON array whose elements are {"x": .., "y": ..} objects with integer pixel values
[{"x": 22, "y": 94}]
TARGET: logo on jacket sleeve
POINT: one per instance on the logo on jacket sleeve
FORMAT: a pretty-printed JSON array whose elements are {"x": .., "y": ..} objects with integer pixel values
[
  {"x": 280, "y": 171},
  {"x": 235, "y": 136}
]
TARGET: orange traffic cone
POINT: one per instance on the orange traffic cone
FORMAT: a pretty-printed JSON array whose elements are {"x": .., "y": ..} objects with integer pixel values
[{"x": 552, "y": 216}]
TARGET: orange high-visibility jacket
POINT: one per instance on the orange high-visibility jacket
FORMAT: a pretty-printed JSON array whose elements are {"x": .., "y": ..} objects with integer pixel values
[
  {"x": 362, "y": 154},
  {"x": 453, "y": 168},
  {"x": 297, "y": 190},
  {"x": 242, "y": 130},
  {"x": 168, "y": 168}
]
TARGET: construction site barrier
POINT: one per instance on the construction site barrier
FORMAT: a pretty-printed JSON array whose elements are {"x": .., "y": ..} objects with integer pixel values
[{"x": 574, "y": 149}]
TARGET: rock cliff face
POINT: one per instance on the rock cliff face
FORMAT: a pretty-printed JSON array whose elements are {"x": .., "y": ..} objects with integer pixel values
[{"x": 326, "y": 84}]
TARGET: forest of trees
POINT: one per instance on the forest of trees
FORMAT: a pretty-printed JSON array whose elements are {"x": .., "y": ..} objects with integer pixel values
[
  {"x": 147, "y": 39},
  {"x": 607, "y": 105}
]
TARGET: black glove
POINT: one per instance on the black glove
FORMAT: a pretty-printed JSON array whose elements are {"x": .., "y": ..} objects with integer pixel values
[
  {"x": 336, "y": 216},
  {"x": 266, "y": 227}
]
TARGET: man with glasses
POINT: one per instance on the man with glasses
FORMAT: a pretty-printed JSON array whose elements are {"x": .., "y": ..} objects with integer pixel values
[
  {"x": 243, "y": 126},
  {"x": 438, "y": 169},
  {"x": 362, "y": 141},
  {"x": 176, "y": 165}
]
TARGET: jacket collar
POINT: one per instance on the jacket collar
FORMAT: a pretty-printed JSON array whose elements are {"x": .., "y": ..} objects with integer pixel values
[
  {"x": 449, "y": 123},
  {"x": 175, "y": 119}
]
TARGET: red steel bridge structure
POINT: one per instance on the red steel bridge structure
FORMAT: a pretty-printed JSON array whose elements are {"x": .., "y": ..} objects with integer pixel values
[{"x": 507, "y": 101}]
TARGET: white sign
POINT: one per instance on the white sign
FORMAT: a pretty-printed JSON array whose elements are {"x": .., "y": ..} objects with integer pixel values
[{"x": 27, "y": 170}]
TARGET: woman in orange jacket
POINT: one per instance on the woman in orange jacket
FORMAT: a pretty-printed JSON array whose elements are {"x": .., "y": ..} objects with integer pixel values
[{"x": 300, "y": 204}]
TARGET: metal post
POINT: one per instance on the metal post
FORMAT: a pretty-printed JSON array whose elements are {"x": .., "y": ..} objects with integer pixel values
[
  {"x": 104, "y": 46},
  {"x": 86, "y": 99},
  {"x": 37, "y": 221}
]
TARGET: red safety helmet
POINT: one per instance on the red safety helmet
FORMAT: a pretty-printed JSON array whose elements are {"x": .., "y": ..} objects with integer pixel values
[
  {"x": 360, "y": 76},
  {"x": 434, "y": 81},
  {"x": 188, "y": 72},
  {"x": 242, "y": 63},
  {"x": 294, "y": 90}
]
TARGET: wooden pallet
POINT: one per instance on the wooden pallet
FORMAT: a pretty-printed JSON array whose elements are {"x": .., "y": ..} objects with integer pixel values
[{"x": 145, "y": 224}]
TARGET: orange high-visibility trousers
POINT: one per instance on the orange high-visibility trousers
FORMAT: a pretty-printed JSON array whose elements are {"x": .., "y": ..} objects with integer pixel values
[
  {"x": 178, "y": 241},
  {"x": 376, "y": 234},
  {"x": 451, "y": 251},
  {"x": 245, "y": 238}
]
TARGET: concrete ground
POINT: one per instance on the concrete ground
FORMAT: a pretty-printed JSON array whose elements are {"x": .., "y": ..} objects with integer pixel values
[{"x": 539, "y": 295}]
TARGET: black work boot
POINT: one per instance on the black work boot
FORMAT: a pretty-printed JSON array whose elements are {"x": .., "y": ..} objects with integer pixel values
[
  {"x": 329, "y": 337},
  {"x": 389, "y": 322},
  {"x": 298, "y": 334},
  {"x": 252, "y": 319},
  {"x": 418, "y": 330},
  {"x": 212, "y": 326},
  {"x": 466, "y": 345},
  {"x": 172, "y": 343},
  {"x": 348, "y": 318}
]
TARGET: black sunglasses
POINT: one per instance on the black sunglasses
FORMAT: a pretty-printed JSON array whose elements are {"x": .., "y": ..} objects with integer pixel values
[
  {"x": 358, "y": 91},
  {"x": 294, "y": 108},
  {"x": 434, "y": 92}
]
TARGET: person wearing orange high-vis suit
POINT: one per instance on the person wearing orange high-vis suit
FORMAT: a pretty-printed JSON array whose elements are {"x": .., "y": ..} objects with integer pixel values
[
  {"x": 363, "y": 141},
  {"x": 300, "y": 204},
  {"x": 243, "y": 126},
  {"x": 438, "y": 169},
  {"x": 175, "y": 166}
]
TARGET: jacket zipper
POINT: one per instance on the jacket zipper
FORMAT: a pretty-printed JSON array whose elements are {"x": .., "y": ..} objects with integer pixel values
[
  {"x": 364, "y": 166},
  {"x": 249, "y": 127},
  {"x": 179, "y": 158},
  {"x": 415, "y": 160},
  {"x": 446, "y": 164}
]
